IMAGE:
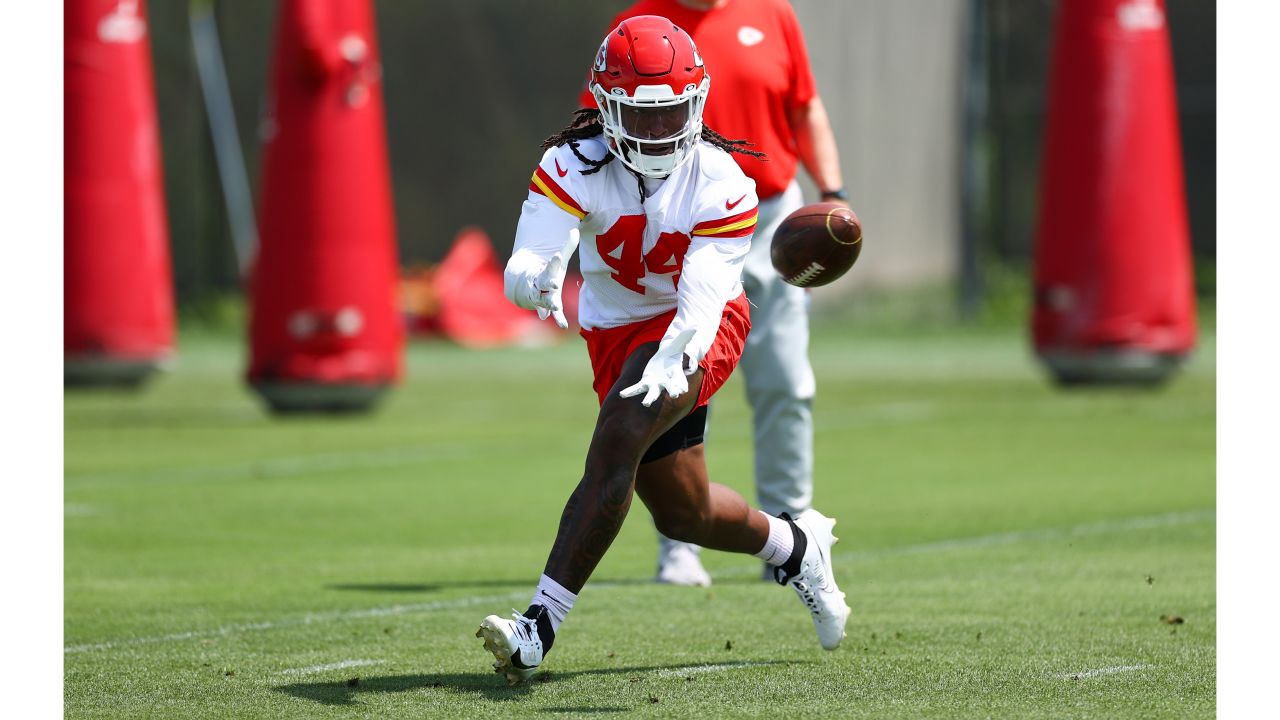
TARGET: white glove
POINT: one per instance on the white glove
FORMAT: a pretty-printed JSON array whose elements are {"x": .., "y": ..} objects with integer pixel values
[
  {"x": 665, "y": 371},
  {"x": 551, "y": 280}
]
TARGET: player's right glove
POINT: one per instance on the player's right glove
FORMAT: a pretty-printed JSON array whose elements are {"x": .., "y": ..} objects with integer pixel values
[
  {"x": 666, "y": 370},
  {"x": 550, "y": 281}
]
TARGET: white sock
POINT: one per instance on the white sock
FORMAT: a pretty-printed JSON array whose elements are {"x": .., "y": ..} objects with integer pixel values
[
  {"x": 555, "y": 598},
  {"x": 777, "y": 549}
]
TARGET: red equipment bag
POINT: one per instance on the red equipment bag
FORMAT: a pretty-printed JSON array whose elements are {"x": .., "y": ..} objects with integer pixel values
[
  {"x": 324, "y": 330},
  {"x": 118, "y": 323},
  {"x": 1114, "y": 293}
]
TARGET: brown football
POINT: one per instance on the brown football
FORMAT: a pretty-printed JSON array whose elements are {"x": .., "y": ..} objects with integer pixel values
[{"x": 816, "y": 244}]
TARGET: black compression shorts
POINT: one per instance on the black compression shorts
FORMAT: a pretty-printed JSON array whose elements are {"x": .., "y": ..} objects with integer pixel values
[{"x": 684, "y": 434}]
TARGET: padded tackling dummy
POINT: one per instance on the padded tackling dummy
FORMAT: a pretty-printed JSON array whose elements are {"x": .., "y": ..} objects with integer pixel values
[
  {"x": 118, "y": 285},
  {"x": 1114, "y": 294},
  {"x": 324, "y": 332}
]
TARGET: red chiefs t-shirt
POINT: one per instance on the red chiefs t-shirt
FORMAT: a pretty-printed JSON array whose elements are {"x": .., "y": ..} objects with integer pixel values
[{"x": 759, "y": 69}]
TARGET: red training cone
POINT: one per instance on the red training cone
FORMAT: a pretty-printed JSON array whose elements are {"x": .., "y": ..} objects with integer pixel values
[
  {"x": 324, "y": 330},
  {"x": 1114, "y": 294},
  {"x": 118, "y": 292}
]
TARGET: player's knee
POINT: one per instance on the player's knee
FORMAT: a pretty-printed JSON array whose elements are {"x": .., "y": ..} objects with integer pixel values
[{"x": 683, "y": 523}]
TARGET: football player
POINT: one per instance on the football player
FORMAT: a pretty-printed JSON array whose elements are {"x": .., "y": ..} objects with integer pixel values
[{"x": 668, "y": 218}]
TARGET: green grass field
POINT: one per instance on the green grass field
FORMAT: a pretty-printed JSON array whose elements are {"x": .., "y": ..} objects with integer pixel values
[{"x": 1009, "y": 550}]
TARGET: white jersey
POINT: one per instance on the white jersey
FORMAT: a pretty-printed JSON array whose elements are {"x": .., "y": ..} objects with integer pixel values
[{"x": 682, "y": 248}]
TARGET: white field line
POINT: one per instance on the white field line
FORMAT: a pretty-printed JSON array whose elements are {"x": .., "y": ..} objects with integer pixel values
[
  {"x": 700, "y": 669},
  {"x": 330, "y": 666},
  {"x": 1099, "y": 528},
  {"x": 1102, "y": 671}
]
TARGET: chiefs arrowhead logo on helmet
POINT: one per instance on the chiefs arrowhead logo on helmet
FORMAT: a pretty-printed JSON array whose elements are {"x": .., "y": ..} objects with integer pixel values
[{"x": 599, "y": 64}]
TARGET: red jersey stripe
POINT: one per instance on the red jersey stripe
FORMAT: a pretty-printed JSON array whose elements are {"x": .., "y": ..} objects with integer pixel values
[
  {"x": 743, "y": 223},
  {"x": 544, "y": 185}
]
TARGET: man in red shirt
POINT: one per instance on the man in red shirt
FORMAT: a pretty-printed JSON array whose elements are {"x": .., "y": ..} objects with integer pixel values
[{"x": 765, "y": 93}]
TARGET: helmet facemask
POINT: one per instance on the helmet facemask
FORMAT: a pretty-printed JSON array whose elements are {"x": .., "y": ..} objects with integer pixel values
[{"x": 654, "y": 131}]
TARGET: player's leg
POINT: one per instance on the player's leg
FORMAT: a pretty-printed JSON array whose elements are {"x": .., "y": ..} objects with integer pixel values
[
  {"x": 687, "y": 506},
  {"x": 591, "y": 519},
  {"x": 680, "y": 563},
  {"x": 624, "y": 430}
]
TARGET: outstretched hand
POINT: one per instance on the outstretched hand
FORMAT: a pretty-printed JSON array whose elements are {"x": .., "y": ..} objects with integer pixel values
[
  {"x": 550, "y": 283},
  {"x": 665, "y": 371}
]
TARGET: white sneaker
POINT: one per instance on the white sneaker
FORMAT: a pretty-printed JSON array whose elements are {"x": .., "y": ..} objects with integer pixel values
[
  {"x": 515, "y": 644},
  {"x": 679, "y": 564},
  {"x": 816, "y": 583}
]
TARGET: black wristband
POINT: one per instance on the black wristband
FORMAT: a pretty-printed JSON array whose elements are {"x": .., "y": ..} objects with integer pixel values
[{"x": 837, "y": 194}]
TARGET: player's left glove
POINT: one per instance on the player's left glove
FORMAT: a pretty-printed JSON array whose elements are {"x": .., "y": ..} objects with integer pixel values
[
  {"x": 549, "y": 283},
  {"x": 665, "y": 371}
]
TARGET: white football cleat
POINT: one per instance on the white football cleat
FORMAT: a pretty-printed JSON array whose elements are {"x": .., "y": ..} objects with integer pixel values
[
  {"x": 816, "y": 583},
  {"x": 679, "y": 564},
  {"x": 515, "y": 644}
]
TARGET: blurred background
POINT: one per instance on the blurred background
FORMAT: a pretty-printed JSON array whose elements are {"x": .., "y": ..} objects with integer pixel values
[{"x": 939, "y": 108}]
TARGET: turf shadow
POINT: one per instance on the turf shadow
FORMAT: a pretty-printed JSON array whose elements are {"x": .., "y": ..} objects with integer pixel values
[{"x": 486, "y": 685}]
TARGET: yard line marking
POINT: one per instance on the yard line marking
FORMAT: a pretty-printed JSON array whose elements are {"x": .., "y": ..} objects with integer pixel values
[
  {"x": 1098, "y": 528},
  {"x": 311, "y": 669},
  {"x": 1102, "y": 671},
  {"x": 308, "y": 619},
  {"x": 699, "y": 669}
]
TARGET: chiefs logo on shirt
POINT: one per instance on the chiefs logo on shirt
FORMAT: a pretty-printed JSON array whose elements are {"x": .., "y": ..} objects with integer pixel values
[{"x": 749, "y": 36}]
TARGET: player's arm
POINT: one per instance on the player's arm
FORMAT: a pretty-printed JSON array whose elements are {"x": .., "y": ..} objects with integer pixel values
[
  {"x": 723, "y": 225},
  {"x": 546, "y": 236},
  {"x": 816, "y": 144},
  {"x": 541, "y": 233},
  {"x": 710, "y": 277}
]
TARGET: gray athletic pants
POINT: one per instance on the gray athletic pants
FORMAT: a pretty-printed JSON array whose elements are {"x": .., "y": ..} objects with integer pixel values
[{"x": 775, "y": 365}]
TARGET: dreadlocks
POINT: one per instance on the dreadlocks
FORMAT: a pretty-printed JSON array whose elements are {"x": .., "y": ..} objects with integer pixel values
[{"x": 586, "y": 124}]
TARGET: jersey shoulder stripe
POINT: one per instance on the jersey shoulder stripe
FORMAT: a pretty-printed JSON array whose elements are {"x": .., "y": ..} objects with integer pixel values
[
  {"x": 544, "y": 185},
  {"x": 740, "y": 225}
]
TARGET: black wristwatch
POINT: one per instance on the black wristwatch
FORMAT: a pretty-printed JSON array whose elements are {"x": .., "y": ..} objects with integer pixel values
[{"x": 837, "y": 194}]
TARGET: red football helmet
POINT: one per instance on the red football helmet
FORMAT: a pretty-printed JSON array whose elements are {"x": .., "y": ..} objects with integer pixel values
[{"x": 650, "y": 84}]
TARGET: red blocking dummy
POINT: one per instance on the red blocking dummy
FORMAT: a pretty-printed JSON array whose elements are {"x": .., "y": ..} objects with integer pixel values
[
  {"x": 118, "y": 284},
  {"x": 324, "y": 330},
  {"x": 1114, "y": 294}
]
